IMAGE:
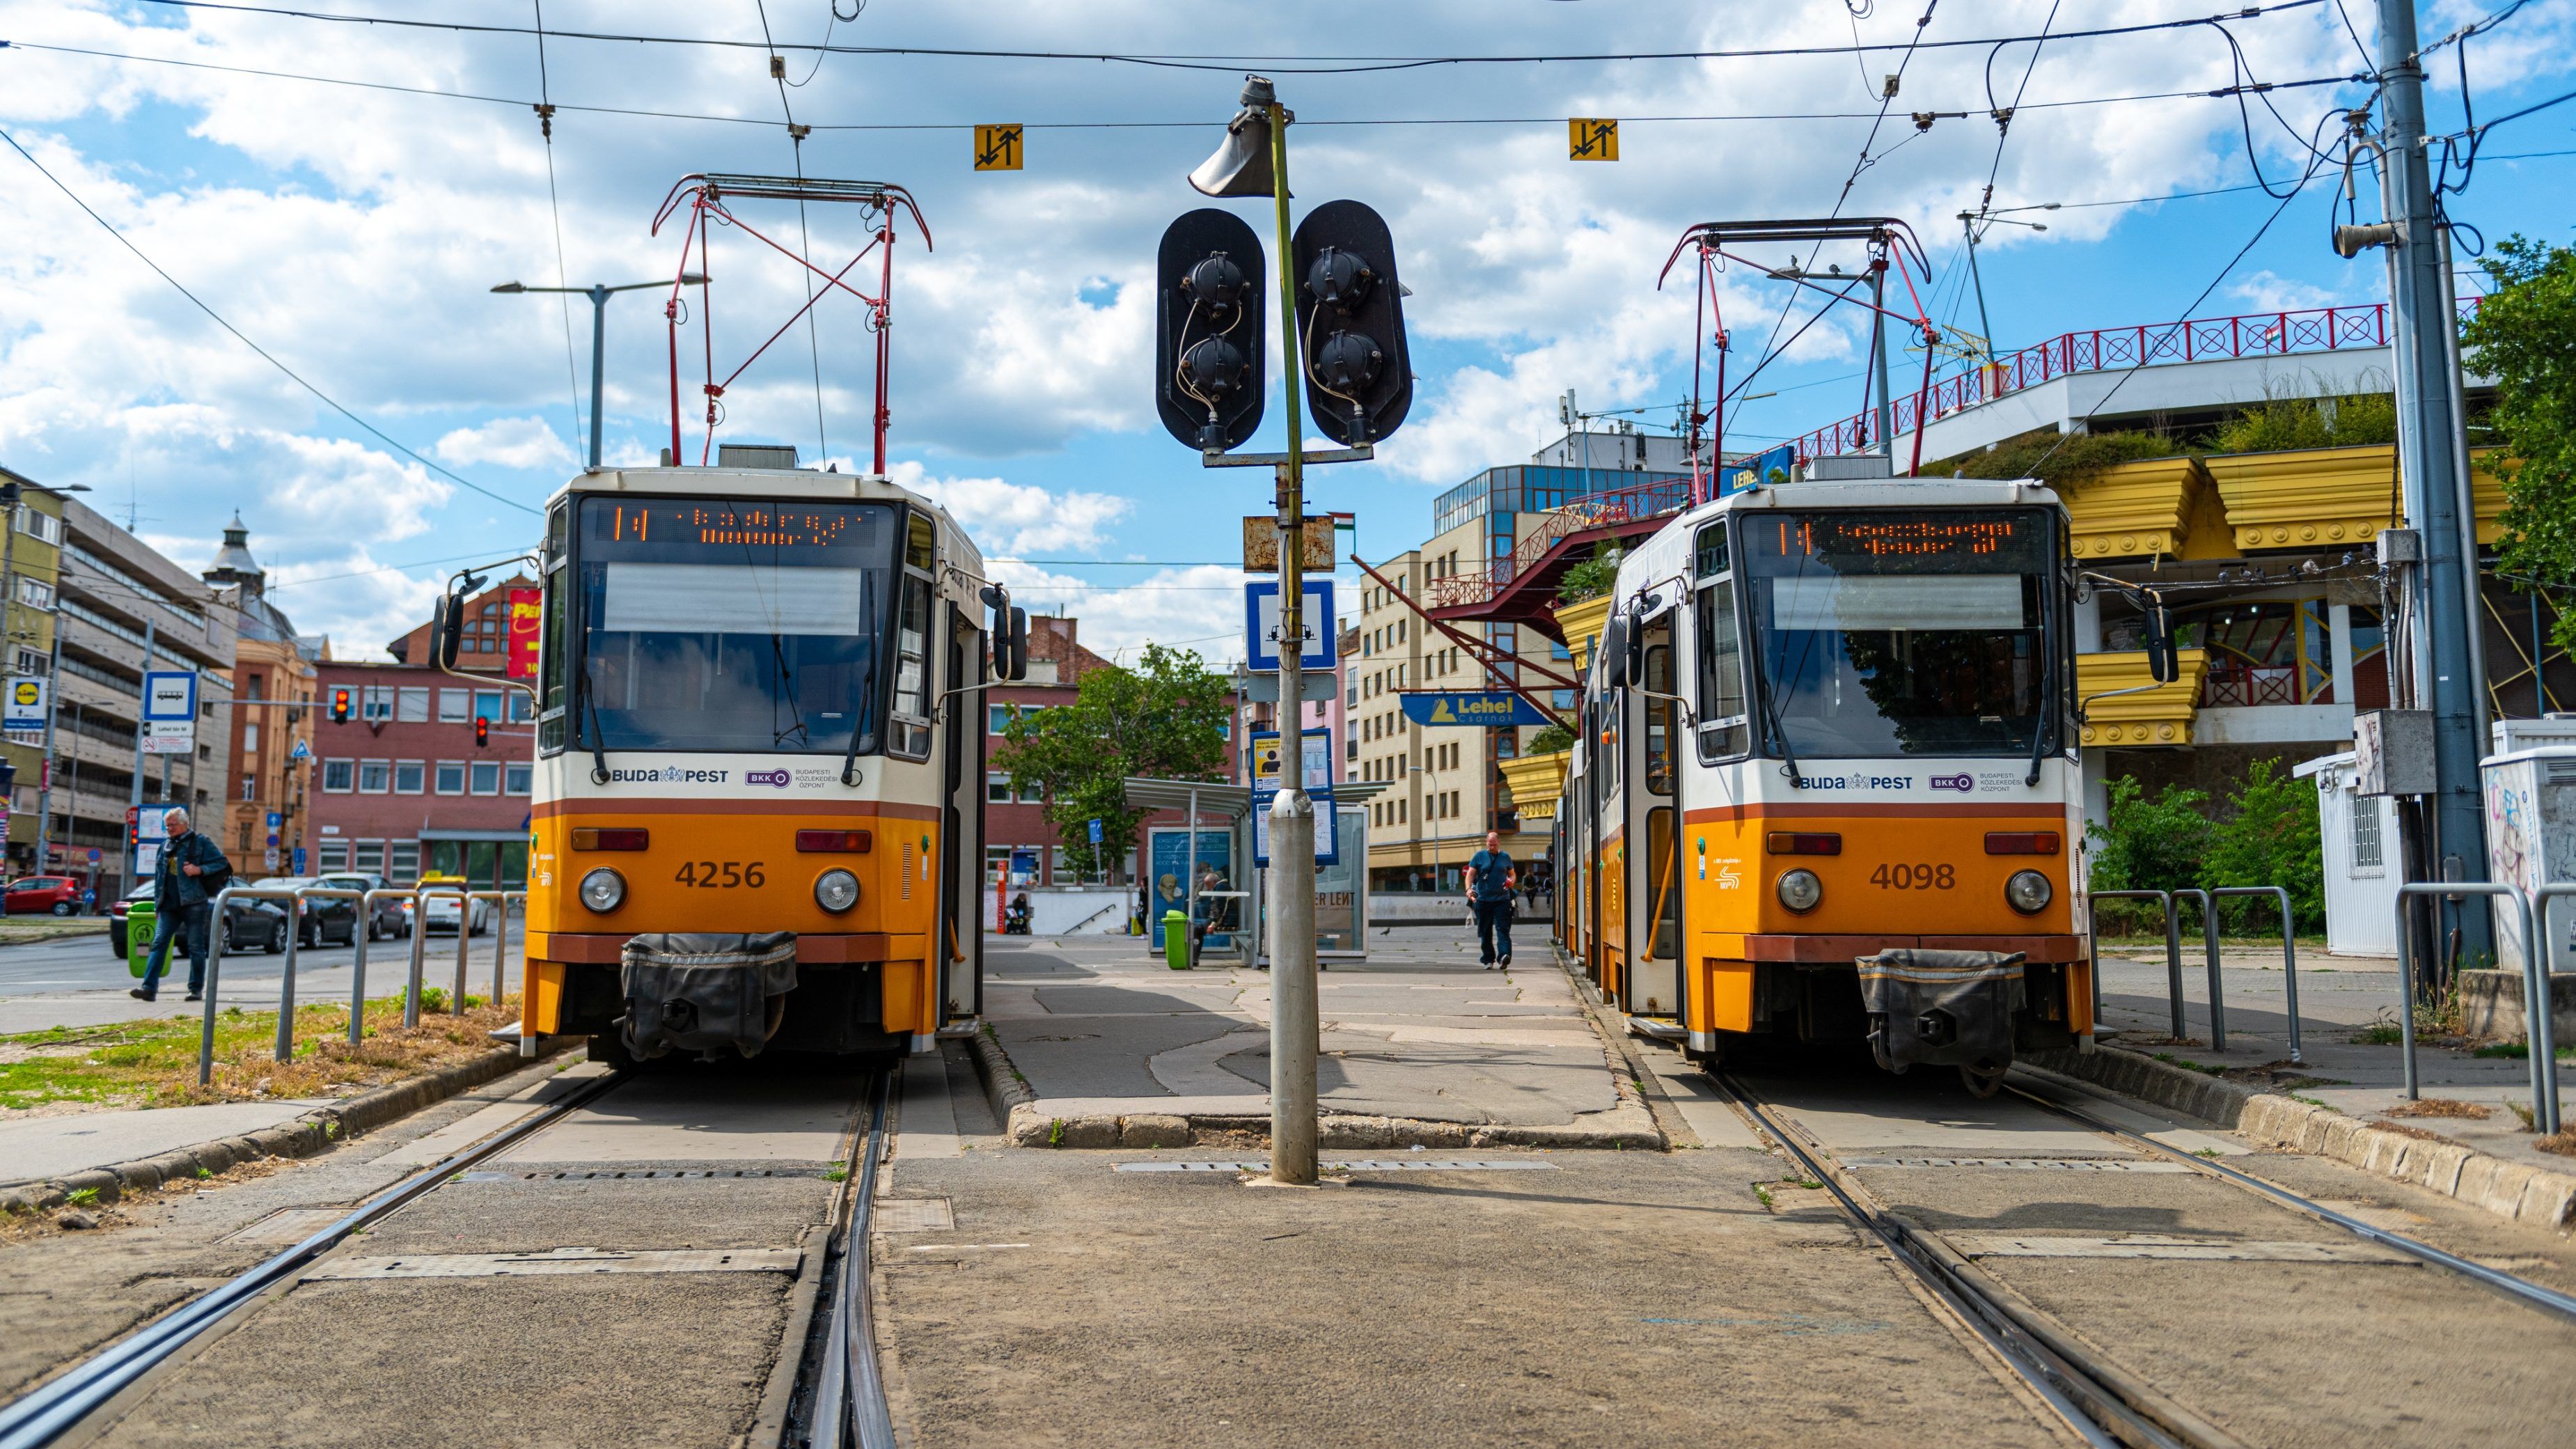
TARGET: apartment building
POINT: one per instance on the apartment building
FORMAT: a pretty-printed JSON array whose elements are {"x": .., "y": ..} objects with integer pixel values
[
  {"x": 267, "y": 735},
  {"x": 31, "y": 564}
]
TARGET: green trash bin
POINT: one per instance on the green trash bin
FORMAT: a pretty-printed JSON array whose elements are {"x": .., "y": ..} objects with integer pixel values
[
  {"x": 1176, "y": 940},
  {"x": 138, "y": 936}
]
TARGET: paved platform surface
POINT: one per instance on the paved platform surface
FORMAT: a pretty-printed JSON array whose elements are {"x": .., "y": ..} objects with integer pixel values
[
  {"x": 2340, "y": 999},
  {"x": 1417, "y": 1030},
  {"x": 33, "y": 1147}
]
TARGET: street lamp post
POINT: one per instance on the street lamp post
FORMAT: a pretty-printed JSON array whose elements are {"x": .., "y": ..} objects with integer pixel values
[{"x": 598, "y": 296}]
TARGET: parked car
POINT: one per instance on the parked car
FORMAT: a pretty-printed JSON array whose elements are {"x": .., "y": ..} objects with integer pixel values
[
  {"x": 249, "y": 925},
  {"x": 440, "y": 913},
  {"x": 43, "y": 894},
  {"x": 326, "y": 920},
  {"x": 388, "y": 918}
]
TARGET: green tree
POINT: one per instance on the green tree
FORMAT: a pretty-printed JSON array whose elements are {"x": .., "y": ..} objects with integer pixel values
[
  {"x": 1166, "y": 718},
  {"x": 2524, "y": 336},
  {"x": 1549, "y": 740},
  {"x": 2272, "y": 839},
  {"x": 2151, "y": 845},
  {"x": 1591, "y": 578}
]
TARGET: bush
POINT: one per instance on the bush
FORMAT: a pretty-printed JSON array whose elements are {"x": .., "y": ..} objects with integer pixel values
[
  {"x": 2056, "y": 459},
  {"x": 1591, "y": 578},
  {"x": 2271, "y": 839},
  {"x": 1549, "y": 740},
  {"x": 2151, "y": 845},
  {"x": 2285, "y": 424}
]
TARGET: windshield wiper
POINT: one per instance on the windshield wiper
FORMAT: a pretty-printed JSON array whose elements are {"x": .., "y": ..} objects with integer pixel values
[
  {"x": 590, "y": 708},
  {"x": 2040, "y": 716},
  {"x": 1779, "y": 733}
]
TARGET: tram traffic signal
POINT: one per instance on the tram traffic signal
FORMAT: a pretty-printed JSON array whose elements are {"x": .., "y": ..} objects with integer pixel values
[
  {"x": 482, "y": 731},
  {"x": 340, "y": 704},
  {"x": 1359, "y": 379},
  {"x": 1209, "y": 330}
]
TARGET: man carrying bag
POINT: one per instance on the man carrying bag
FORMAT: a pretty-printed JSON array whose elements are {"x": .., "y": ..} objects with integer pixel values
[
  {"x": 192, "y": 871},
  {"x": 1490, "y": 878}
]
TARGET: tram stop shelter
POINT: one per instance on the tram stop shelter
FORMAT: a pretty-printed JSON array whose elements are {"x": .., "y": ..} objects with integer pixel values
[{"x": 1218, "y": 830}]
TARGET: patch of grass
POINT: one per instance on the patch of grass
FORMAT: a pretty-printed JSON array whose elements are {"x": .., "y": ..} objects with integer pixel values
[
  {"x": 1809, "y": 1183},
  {"x": 154, "y": 1063},
  {"x": 2209, "y": 1152},
  {"x": 2562, "y": 1143},
  {"x": 2172, "y": 1060},
  {"x": 836, "y": 1172},
  {"x": 1055, "y": 1133},
  {"x": 2314, "y": 1102},
  {"x": 2516, "y": 1051},
  {"x": 2530, "y": 1122},
  {"x": 82, "y": 1196},
  {"x": 2380, "y": 1033},
  {"x": 1762, "y": 1193}
]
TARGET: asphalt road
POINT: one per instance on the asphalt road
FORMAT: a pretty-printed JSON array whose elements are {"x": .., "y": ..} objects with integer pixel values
[{"x": 78, "y": 983}]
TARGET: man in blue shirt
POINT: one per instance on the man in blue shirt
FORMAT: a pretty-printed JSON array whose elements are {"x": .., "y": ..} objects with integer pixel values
[
  {"x": 192, "y": 871},
  {"x": 1489, "y": 894}
]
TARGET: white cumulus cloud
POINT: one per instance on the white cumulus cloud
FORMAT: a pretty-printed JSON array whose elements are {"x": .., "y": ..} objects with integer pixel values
[{"x": 507, "y": 442}]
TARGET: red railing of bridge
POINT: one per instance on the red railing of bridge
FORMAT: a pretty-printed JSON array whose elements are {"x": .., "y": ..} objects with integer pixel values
[
  {"x": 1619, "y": 505},
  {"x": 2199, "y": 339}
]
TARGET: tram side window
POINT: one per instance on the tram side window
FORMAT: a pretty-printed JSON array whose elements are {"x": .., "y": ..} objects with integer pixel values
[
  {"x": 551, "y": 656},
  {"x": 1662, "y": 749},
  {"x": 911, "y": 714},
  {"x": 1724, "y": 730}
]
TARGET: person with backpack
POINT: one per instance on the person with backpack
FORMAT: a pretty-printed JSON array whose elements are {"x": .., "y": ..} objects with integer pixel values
[
  {"x": 1490, "y": 879},
  {"x": 191, "y": 872}
]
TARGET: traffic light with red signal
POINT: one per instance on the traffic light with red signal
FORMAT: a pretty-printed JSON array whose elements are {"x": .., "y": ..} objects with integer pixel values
[
  {"x": 482, "y": 731},
  {"x": 340, "y": 705}
]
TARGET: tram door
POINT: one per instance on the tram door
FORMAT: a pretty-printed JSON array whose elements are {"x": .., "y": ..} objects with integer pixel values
[
  {"x": 1654, "y": 903},
  {"x": 961, "y": 744}
]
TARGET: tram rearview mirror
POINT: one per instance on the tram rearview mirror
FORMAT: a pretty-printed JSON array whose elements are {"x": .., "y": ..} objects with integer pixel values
[
  {"x": 2161, "y": 664},
  {"x": 447, "y": 629},
  {"x": 1616, "y": 663},
  {"x": 1011, "y": 643}
]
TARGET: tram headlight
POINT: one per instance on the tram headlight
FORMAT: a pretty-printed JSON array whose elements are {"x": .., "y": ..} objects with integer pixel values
[
  {"x": 603, "y": 890},
  {"x": 836, "y": 891},
  {"x": 1800, "y": 890},
  {"x": 2028, "y": 891}
]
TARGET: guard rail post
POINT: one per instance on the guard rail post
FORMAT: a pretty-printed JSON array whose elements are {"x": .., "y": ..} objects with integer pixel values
[
  {"x": 2289, "y": 951},
  {"x": 214, "y": 958},
  {"x": 2539, "y": 1005},
  {"x": 2209, "y": 946},
  {"x": 286, "y": 981},
  {"x": 2173, "y": 948},
  {"x": 464, "y": 936},
  {"x": 2454, "y": 890},
  {"x": 358, "y": 975},
  {"x": 357, "y": 943},
  {"x": 500, "y": 900},
  {"x": 214, "y": 975}
]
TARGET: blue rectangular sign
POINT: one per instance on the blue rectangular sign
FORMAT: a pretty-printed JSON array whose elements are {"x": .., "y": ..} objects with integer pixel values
[
  {"x": 1261, "y": 625},
  {"x": 1757, "y": 471},
  {"x": 169, "y": 694},
  {"x": 1491, "y": 708}
]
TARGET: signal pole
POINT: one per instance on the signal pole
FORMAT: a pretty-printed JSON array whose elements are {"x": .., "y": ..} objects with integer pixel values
[
  {"x": 1295, "y": 1014},
  {"x": 2428, "y": 429}
]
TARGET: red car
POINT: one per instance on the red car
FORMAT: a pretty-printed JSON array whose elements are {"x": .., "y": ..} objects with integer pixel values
[{"x": 54, "y": 894}]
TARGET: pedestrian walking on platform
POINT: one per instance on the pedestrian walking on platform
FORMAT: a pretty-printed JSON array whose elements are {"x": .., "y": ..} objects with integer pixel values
[
  {"x": 1490, "y": 879},
  {"x": 191, "y": 872}
]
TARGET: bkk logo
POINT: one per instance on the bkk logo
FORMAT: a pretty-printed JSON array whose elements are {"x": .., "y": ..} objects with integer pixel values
[
  {"x": 778, "y": 778},
  {"x": 1964, "y": 784}
]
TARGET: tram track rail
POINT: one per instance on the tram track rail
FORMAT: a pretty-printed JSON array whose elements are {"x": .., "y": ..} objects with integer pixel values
[
  {"x": 848, "y": 1398},
  {"x": 61, "y": 1405}
]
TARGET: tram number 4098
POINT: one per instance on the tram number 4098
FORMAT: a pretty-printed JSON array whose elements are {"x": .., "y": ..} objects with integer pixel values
[
  {"x": 726, "y": 875},
  {"x": 1915, "y": 877}
]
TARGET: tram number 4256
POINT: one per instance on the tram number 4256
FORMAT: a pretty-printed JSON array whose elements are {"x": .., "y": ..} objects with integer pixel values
[
  {"x": 721, "y": 875},
  {"x": 1915, "y": 877}
]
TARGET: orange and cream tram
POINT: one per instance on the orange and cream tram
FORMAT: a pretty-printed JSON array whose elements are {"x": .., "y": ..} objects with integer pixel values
[
  {"x": 757, "y": 820},
  {"x": 1825, "y": 784}
]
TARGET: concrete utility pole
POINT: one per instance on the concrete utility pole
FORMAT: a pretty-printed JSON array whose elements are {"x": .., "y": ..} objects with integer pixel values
[
  {"x": 2428, "y": 430},
  {"x": 1294, "y": 1011}
]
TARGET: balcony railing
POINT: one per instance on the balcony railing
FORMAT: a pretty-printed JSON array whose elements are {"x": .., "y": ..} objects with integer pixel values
[
  {"x": 1619, "y": 505},
  {"x": 2198, "y": 339}
]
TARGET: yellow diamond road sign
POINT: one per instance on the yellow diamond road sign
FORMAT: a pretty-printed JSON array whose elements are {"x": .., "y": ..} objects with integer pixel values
[
  {"x": 1592, "y": 138},
  {"x": 997, "y": 148}
]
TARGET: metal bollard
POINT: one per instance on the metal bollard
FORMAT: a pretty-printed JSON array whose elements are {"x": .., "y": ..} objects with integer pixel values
[
  {"x": 2543, "y": 1109},
  {"x": 357, "y": 940},
  {"x": 358, "y": 982},
  {"x": 2173, "y": 948},
  {"x": 2538, "y": 1005},
  {"x": 2209, "y": 940},
  {"x": 2289, "y": 951},
  {"x": 500, "y": 900},
  {"x": 419, "y": 957},
  {"x": 214, "y": 977}
]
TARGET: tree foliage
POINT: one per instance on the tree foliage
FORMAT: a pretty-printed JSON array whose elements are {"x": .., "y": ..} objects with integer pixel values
[
  {"x": 2272, "y": 839},
  {"x": 1591, "y": 578},
  {"x": 1549, "y": 740},
  {"x": 2524, "y": 336},
  {"x": 2287, "y": 424},
  {"x": 2151, "y": 845},
  {"x": 1166, "y": 719},
  {"x": 2056, "y": 459}
]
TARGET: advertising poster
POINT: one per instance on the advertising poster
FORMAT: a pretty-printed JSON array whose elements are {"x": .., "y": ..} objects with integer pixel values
[
  {"x": 1169, "y": 857},
  {"x": 525, "y": 611}
]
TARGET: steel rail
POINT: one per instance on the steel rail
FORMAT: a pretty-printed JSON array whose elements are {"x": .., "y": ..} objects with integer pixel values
[
  {"x": 2102, "y": 1404},
  {"x": 2521, "y": 1290},
  {"x": 849, "y": 1388},
  {"x": 59, "y": 1405}
]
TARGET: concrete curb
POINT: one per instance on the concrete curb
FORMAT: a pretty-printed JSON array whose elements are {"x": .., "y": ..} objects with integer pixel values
[
  {"x": 313, "y": 1132},
  {"x": 1004, "y": 1088},
  {"x": 2511, "y": 1190}
]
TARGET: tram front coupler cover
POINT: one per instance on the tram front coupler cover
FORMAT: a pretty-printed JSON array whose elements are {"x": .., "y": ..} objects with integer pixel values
[
  {"x": 1941, "y": 1008},
  {"x": 705, "y": 991}
]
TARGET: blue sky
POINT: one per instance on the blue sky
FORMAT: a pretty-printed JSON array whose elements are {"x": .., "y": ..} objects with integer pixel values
[{"x": 355, "y": 234}]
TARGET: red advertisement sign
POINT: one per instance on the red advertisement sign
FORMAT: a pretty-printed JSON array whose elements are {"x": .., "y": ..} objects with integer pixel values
[{"x": 525, "y": 609}]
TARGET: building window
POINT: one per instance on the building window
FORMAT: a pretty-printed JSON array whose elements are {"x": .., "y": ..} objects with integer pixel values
[
  {"x": 339, "y": 777},
  {"x": 517, "y": 777},
  {"x": 402, "y": 861},
  {"x": 487, "y": 777},
  {"x": 453, "y": 705},
  {"x": 997, "y": 789},
  {"x": 35, "y": 593},
  {"x": 487, "y": 704},
  {"x": 996, "y": 716},
  {"x": 997, "y": 860},
  {"x": 2365, "y": 835},
  {"x": 411, "y": 705},
  {"x": 523, "y": 707},
  {"x": 43, "y": 526},
  {"x": 334, "y": 856},
  {"x": 34, "y": 661},
  {"x": 451, "y": 777},
  {"x": 378, "y": 704},
  {"x": 367, "y": 857},
  {"x": 375, "y": 777},
  {"x": 410, "y": 777}
]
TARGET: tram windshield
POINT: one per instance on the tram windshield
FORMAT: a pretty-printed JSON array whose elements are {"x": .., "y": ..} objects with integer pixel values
[
  {"x": 739, "y": 625},
  {"x": 1898, "y": 632}
]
